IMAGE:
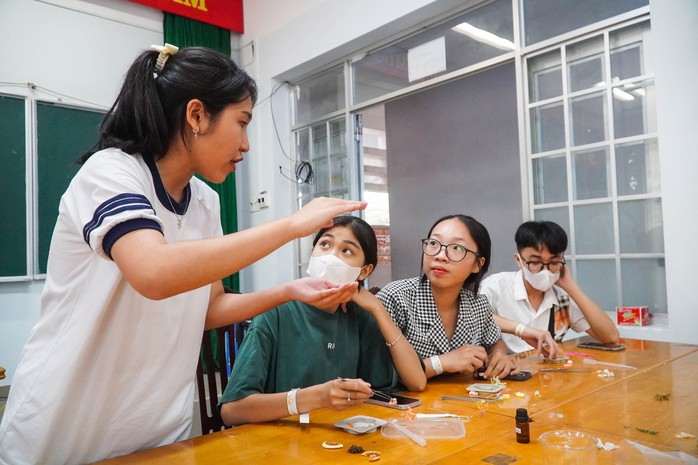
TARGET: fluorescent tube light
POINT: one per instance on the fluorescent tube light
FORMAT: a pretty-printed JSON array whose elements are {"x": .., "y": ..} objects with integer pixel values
[{"x": 483, "y": 36}]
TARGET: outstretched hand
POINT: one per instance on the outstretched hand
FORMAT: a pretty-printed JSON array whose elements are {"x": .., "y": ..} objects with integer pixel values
[
  {"x": 318, "y": 213},
  {"x": 320, "y": 293}
]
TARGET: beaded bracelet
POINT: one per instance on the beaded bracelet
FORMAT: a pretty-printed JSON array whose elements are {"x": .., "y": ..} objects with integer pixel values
[{"x": 390, "y": 344}]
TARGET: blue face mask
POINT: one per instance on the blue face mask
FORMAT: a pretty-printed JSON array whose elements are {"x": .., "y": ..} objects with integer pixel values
[{"x": 332, "y": 269}]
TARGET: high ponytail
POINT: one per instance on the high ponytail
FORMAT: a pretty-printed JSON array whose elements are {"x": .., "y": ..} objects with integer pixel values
[{"x": 150, "y": 111}]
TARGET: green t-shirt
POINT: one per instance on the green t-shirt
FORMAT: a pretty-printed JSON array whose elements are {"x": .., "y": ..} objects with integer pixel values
[{"x": 296, "y": 345}]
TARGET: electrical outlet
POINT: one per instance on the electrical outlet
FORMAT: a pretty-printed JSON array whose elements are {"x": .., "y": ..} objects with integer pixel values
[{"x": 259, "y": 202}]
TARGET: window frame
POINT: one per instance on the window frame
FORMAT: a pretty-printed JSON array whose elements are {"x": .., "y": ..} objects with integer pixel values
[{"x": 610, "y": 143}]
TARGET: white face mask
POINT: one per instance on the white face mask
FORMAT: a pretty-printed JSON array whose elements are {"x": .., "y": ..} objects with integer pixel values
[
  {"x": 333, "y": 269},
  {"x": 543, "y": 280}
]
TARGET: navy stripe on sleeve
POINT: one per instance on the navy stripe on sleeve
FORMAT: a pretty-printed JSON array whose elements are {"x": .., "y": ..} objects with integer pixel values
[
  {"x": 126, "y": 227},
  {"x": 114, "y": 206}
]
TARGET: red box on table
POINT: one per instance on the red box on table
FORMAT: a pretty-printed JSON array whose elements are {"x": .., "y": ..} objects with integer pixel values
[{"x": 633, "y": 316}]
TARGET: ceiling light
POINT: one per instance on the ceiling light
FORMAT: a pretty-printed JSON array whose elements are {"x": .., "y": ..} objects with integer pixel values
[
  {"x": 622, "y": 95},
  {"x": 485, "y": 37}
]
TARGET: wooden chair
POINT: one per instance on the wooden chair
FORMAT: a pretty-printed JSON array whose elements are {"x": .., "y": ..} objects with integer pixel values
[
  {"x": 212, "y": 373},
  {"x": 218, "y": 349}
]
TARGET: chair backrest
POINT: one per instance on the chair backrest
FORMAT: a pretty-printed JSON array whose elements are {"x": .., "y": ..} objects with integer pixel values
[
  {"x": 218, "y": 349},
  {"x": 215, "y": 362}
]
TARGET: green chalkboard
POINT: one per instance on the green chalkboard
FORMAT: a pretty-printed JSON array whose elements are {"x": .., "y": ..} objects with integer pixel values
[
  {"x": 13, "y": 188},
  {"x": 63, "y": 134}
]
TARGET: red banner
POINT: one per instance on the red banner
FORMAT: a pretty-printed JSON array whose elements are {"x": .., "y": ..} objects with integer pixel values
[{"x": 222, "y": 13}]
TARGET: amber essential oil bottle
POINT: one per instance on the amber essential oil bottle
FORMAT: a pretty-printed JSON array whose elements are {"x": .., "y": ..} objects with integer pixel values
[{"x": 522, "y": 433}]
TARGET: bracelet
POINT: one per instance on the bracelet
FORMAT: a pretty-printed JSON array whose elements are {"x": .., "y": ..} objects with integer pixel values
[
  {"x": 291, "y": 402},
  {"x": 436, "y": 364},
  {"x": 519, "y": 331},
  {"x": 390, "y": 344}
]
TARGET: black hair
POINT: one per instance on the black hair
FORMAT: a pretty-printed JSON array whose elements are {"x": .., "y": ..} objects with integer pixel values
[
  {"x": 537, "y": 234},
  {"x": 151, "y": 107},
  {"x": 362, "y": 231},
  {"x": 484, "y": 248}
]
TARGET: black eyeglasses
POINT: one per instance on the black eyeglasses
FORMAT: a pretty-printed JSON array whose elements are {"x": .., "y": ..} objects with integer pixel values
[
  {"x": 536, "y": 266},
  {"x": 454, "y": 252}
]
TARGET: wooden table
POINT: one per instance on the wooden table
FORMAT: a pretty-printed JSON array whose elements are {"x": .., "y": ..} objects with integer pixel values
[
  {"x": 503, "y": 449},
  {"x": 611, "y": 408},
  {"x": 653, "y": 406}
]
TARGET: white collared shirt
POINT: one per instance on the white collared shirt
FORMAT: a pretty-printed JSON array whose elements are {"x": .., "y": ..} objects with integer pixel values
[{"x": 508, "y": 297}]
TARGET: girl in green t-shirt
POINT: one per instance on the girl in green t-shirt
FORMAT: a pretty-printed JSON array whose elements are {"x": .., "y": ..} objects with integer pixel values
[{"x": 297, "y": 358}]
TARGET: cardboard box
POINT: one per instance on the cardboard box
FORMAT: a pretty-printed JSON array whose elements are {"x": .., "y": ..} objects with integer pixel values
[{"x": 633, "y": 316}]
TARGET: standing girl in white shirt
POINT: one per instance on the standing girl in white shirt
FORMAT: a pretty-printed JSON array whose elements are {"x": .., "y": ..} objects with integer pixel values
[{"x": 135, "y": 267}]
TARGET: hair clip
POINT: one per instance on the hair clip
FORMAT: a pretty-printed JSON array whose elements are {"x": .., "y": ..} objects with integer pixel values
[{"x": 165, "y": 52}]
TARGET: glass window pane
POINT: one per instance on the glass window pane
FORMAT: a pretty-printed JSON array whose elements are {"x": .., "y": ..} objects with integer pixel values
[
  {"x": 338, "y": 176},
  {"x": 319, "y": 95},
  {"x": 302, "y": 138},
  {"x": 637, "y": 167},
  {"x": 557, "y": 215},
  {"x": 598, "y": 279},
  {"x": 544, "y": 19},
  {"x": 594, "y": 228},
  {"x": 545, "y": 76},
  {"x": 305, "y": 194},
  {"x": 588, "y": 119},
  {"x": 547, "y": 128},
  {"x": 549, "y": 180},
  {"x": 319, "y": 141},
  {"x": 585, "y": 64},
  {"x": 321, "y": 178},
  {"x": 302, "y": 142},
  {"x": 338, "y": 143},
  {"x": 476, "y": 36},
  {"x": 644, "y": 283},
  {"x": 640, "y": 223},
  {"x": 629, "y": 55},
  {"x": 592, "y": 174},
  {"x": 634, "y": 109}
]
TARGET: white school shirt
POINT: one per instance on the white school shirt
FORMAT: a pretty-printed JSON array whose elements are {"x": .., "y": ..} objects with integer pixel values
[
  {"x": 106, "y": 371},
  {"x": 507, "y": 294}
]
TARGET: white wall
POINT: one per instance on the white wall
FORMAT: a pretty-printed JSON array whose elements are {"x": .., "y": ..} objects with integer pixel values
[
  {"x": 78, "y": 53},
  {"x": 675, "y": 34}
]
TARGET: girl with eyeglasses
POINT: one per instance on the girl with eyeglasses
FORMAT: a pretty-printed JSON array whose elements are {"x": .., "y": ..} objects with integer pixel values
[{"x": 441, "y": 314}]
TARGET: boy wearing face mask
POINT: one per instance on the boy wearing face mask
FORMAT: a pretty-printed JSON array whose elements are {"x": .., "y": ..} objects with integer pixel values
[{"x": 542, "y": 294}]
